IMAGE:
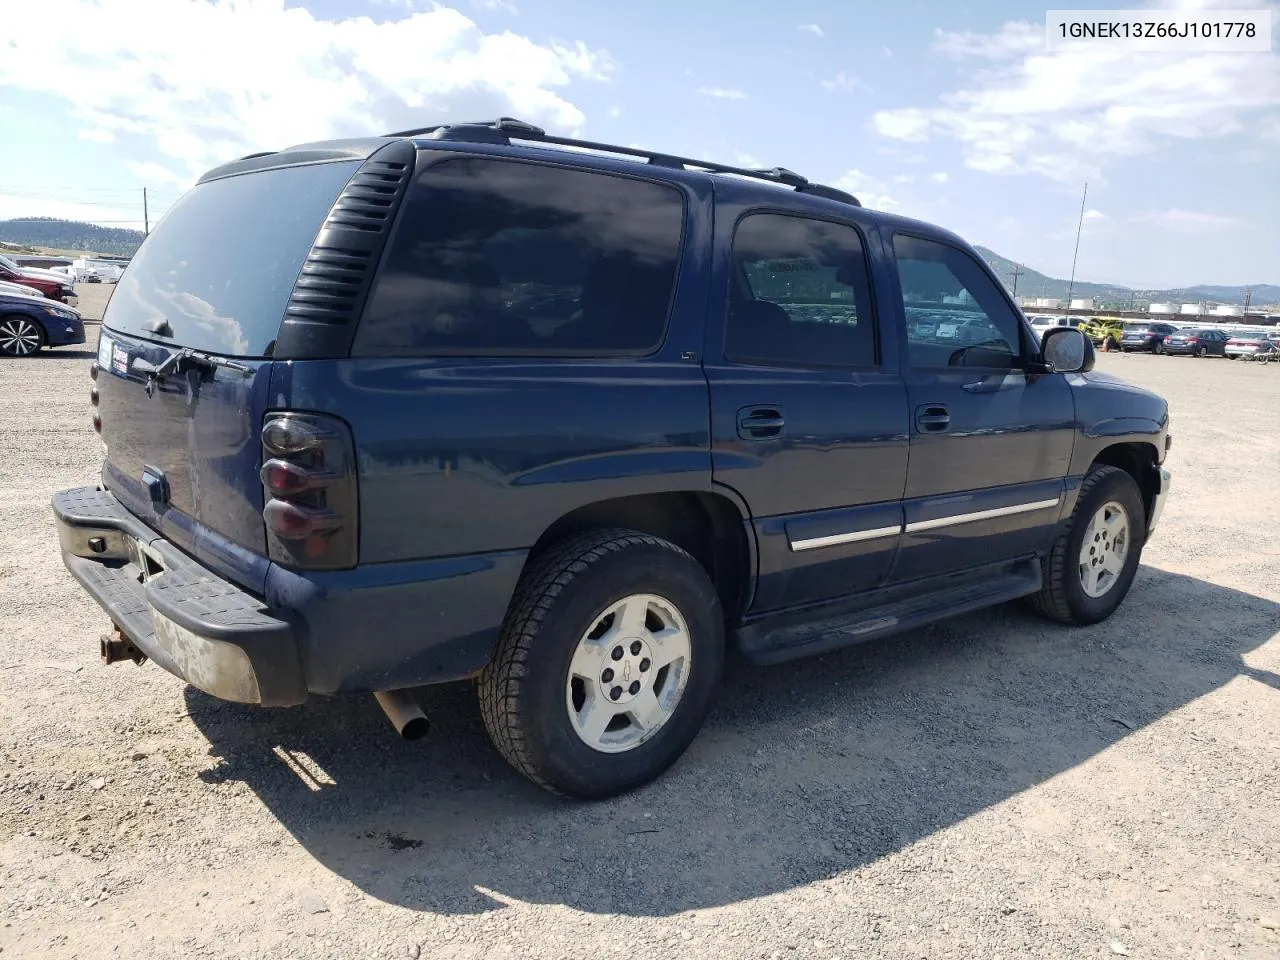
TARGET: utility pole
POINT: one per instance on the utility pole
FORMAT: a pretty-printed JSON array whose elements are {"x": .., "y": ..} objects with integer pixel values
[
  {"x": 1248, "y": 298},
  {"x": 1017, "y": 272},
  {"x": 146, "y": 218},
  {"x": 1079, "y": 226}
]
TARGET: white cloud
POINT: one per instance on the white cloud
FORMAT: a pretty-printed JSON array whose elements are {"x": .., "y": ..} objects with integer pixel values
[
  {"x": 153, "y": 174},
  {"x": 722, "y": 93},
  {"x": 903, "y": 177},
  {"x": 812, "y": 28},
  {"x": 940, "y": 177},
  {"x": 491, "y": 5},
  {"x": 96, "y": 135},
  {"x": 614, "y": 112},
  {"x": 198, "y": 83},
  {"x": 843, "y": 82},
  {"x": 1064, "y": 114},
  {"x": 869, "y": 190},
  {"x": 1094, "y": 215}
]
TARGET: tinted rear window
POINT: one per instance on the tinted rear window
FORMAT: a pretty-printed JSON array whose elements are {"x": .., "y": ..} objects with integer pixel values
[
  {"x": 221, "y": 264},
  {"x": 498, "y": 257}
]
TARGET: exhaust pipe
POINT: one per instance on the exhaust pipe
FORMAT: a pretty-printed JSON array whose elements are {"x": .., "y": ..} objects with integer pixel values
[
  {"x": 405, "y": 715},
  {"x": 115, "y": 647}
]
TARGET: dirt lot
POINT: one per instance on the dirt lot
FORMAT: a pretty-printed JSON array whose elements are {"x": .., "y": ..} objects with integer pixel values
[{"x": 992, "y": 787}]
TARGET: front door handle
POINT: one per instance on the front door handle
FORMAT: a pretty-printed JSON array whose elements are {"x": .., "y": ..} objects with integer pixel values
[
  {"x": 761, "y": 423},
  {"x": 933, "y": 418}
]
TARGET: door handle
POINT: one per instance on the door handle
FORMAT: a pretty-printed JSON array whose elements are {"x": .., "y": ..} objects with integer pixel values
[
  {"x": 761, "y": 423},
  {"x": 933, "y": 418}
]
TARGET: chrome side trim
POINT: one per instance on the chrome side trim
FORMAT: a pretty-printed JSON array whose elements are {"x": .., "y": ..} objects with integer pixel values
[
  {"x": 959, "y": 518},
  {"x": 856, "y": 536}
]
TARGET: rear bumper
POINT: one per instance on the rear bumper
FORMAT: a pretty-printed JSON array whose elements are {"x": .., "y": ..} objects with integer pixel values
[
  {"x": 195, "y": 625},
  {"x": 384, "y": 626}
]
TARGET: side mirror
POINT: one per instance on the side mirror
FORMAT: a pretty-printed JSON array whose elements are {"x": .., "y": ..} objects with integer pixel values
[{"x": 1066, "y": 350}]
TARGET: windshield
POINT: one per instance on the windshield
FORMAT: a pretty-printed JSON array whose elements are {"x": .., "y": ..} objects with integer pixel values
[{"x": 220, "y": 266}]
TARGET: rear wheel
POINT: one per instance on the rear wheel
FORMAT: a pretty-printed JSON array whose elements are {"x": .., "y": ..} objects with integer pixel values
[
  {"x": 1158, "y": 347},
  {"x": 607, "y": 665},
  {"x": 1202, "y": 351},
  {"x": 20, "y": 336},
  {"x": 1093, "y": 562}
]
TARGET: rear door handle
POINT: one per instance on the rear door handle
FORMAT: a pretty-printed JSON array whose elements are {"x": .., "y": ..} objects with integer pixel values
[
  {"x": 761, "y": 423},
  {"x": 933, "y": 418}
]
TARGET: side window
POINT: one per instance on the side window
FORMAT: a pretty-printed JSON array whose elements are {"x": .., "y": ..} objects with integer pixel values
[
  {"x": 955, "y": 315},
  {"x": 799, "y": 294},
  {"x": 496, "y": 257}
]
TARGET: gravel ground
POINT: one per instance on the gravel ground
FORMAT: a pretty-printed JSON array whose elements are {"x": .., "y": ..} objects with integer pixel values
[{"x": 991, "y": 787}]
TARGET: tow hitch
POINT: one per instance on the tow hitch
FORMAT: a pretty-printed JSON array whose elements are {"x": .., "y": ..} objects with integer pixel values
[{"x": 115, "y": 646}]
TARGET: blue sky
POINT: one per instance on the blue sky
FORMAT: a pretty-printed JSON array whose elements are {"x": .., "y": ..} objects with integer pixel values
[{"x": 951, "y": 112}]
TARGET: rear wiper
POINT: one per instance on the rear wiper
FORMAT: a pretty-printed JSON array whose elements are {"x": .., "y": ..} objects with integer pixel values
[{"x": 184, "y": 359}]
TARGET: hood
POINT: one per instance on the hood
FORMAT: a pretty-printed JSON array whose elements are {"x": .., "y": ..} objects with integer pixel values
[
  {"x": 45, "y": 274},
  {"x": 51, "y": 306}
]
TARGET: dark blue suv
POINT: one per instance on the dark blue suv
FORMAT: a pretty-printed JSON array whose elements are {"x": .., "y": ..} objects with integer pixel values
[{"x": 460, "y": 403}]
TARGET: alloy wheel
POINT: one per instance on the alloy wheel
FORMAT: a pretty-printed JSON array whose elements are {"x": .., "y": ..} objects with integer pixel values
[{"x": 1105, "y": 547}]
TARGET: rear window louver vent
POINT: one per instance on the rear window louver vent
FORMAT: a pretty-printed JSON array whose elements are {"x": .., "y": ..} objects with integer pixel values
[{"x": 335, "y": 278}]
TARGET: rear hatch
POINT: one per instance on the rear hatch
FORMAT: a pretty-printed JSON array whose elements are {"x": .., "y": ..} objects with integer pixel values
[{"x": 184, "y": 368}]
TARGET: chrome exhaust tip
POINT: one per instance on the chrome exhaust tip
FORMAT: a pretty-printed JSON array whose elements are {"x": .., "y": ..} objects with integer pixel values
[{"x": 405, "y": 715}]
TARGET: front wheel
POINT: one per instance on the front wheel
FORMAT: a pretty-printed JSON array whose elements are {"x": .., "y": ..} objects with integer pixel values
[
  {"x": 1092, "y": 564},
  {"x": 20, "y": 336},
  {"x": 608, "y": 662}
]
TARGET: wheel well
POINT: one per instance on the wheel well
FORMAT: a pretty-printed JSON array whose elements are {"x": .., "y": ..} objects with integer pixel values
[
  {"x": 1139, "y": 461},
  {"x": 707, "y": 525}
]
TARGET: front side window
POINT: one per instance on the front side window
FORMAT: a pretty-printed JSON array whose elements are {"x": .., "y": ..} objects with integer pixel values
[
  {"x": 955, "y": 315},
  {"x": 497, "y": 257},
  {"x": 800, "y": 294}
]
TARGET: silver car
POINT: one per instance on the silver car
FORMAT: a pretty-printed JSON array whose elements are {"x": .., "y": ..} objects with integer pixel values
[{"x": 1251, "y": 345}]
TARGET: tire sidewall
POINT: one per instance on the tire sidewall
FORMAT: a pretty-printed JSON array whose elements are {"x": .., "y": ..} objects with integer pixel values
[
  {"x": 643, "y": 568},
  {"x": 1118, "y": 486}
]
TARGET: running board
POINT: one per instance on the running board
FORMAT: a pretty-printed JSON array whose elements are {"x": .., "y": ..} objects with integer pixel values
[{"x": 786, "y": 639}]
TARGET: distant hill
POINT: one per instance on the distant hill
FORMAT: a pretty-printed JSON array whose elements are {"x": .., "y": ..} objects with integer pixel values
[
  {"x": 1032, "y": 283},
  {"x": 71, "y": 235}
]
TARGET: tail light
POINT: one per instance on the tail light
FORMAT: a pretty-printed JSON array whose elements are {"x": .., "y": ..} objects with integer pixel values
[{"x": 311, "y": 501}]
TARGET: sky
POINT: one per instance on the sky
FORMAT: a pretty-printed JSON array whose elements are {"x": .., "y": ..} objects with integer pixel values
[{"x": 953, "y": 112}]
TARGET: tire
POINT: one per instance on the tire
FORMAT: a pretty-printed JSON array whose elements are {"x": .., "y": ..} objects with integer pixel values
[
  {"x": 1202, "y": 352},
  {"x": 1158, "y": 347},
  {"x": 1064, "y": 596},
  {"x": 20, "y": 336},
  {"x": 535, "y": 695}
]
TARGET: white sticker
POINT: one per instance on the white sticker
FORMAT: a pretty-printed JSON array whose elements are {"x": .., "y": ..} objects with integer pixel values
[{"x": 104, "y": 352}]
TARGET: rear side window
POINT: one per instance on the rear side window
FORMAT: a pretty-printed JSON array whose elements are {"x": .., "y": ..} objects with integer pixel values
[
  {"x": 220, "y": 265},
  {"x": 497, "y": 257},
  {"x": 800, "y": 295},
  {"x": 955, "y": 315}
]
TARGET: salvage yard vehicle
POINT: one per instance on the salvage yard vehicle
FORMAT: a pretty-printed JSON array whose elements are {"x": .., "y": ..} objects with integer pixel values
[
  {"x": 1193, "y": 342},
  {"x": 475, "y": 401},
  {"x": 1104, "y": 332},
  {"x": 28, "y": 324},
  {"x": 50, "y": 283},
  {"x": 1250, "y": 345},
  {"x": 1146, "y": 337}
]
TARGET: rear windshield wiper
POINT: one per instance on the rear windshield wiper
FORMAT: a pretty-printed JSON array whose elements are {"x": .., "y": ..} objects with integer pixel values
[{"x": 186, "y": 359}]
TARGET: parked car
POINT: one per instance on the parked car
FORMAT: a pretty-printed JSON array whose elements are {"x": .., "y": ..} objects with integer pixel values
[
  {"x": 1250, "y": 345},
  {"x": 55, "y": 286},
  {"x": 20, "y": 289},
  {"x": 1146, "y": 337},
  {"x": 29, "y": 323},
  {"x": 649, "y": 451},
  {"x": 60, "y": 264},
  {"x": 1205, "y": 342}
]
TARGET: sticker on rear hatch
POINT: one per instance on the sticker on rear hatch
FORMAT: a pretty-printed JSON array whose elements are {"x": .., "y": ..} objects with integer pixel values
[{"x": 119, "y": 359}]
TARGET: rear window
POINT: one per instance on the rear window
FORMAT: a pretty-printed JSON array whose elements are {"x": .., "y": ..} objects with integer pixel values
[
  {"x": 220, "y": 265},
  {"x": 498, "y": 257}
]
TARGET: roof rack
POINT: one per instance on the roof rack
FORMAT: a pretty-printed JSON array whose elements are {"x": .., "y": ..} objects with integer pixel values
[{"x": 505, "y": 129}]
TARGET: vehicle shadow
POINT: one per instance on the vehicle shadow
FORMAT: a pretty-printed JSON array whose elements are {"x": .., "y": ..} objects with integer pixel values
[
  {"x": 62, "y": 353},
  {"x": 803, "y": 770}
]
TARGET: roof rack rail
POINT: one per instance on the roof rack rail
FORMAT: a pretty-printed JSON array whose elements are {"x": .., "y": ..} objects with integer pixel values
[{"x": 505, "y": 129}]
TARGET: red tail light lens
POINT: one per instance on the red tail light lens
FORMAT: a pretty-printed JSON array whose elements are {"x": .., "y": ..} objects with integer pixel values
[{"x": 311, "y": 500}]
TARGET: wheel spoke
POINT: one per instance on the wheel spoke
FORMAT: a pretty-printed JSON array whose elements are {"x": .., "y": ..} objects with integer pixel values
[
  {"x": 1089, "y": 578},
  {"x": 668, "y": 646},
  {"x": 588, "y": 661},
  {"x": 594, "y": 718},
  {"x": 629, "y": 617},
  {"x": 646, "y": 713},
  {"x": 1113, "y": 562}
]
